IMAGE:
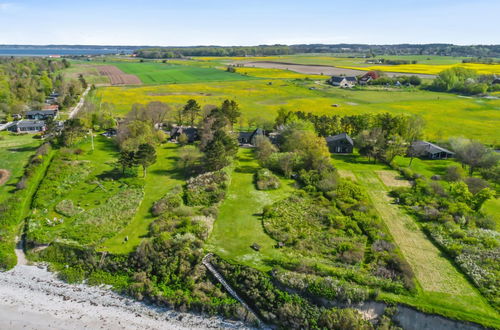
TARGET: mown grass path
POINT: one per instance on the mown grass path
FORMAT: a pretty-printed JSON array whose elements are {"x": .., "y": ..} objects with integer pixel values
[
  {"x": 161, "y": 177},
  {"x": 238, "y": 225},
  {"x": 442, "y": 288}
]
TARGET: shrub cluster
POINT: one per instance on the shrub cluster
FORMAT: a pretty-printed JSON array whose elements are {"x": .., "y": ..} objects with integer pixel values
[
  {"x": 266, "y": 180},
  {"x": 206, "y": 189},
  {"x": 452, "y": 219}
]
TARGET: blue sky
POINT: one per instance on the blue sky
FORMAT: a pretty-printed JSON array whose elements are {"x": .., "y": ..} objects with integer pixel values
[{"x": 250, "y": 22}]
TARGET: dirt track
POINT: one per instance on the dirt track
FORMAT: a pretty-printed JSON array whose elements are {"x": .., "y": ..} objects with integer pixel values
[
  {"x": 117, "y": 76},
  {"x": 321, "y": 69},
  {"x": 4, "y": 176}
]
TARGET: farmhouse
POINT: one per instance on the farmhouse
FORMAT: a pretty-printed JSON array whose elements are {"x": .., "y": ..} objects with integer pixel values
[
  {"x": 340, "y": 144},
  {"x": 41, "y": 114},
  {"x": 249, "y": 138},
  {"x": 431, "y": 151},
  {"x": 343, "y": 82},
  {"x": 367, "y": 77},
  {"x": 28, "y": 126},
  {"x": 190, "y": 132}
]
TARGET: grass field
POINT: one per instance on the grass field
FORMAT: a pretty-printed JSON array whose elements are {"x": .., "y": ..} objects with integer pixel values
[
  {"x": 161, "y": 177},
  {"x": 475, "y": 118},
  {"x": 492, "y": 208},
  {"x": 238, "y": 225},
  {"x": 442, "y": 286},
  {"x": 15, "y": 151},
  {"x": 164, "y": 73}
]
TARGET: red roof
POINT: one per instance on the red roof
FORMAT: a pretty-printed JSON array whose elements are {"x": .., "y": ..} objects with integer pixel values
[{"x": 50, "y": 107}]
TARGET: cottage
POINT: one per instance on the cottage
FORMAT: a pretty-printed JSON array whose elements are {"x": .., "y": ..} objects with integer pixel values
[
  {"x": 28, "y": 126},
  {"x": 249, "y": 138},
  {"x": 340, "y": 144},
  {"x": 431, "y": 151},
  {"x": 190, "y": 132},
  {"x": 41, "y": 114},
  {"x": 342, "y": 81}
]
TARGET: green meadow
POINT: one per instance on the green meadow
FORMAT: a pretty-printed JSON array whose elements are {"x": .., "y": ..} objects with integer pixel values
[
  {"x": 165, "y": 73},
  {"x": 446, "y": 115},
  {"x": 15, "y": 150}
]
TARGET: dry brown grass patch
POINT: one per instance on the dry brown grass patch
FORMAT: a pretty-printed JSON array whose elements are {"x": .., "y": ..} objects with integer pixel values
[
  {"x": 4, "y": 176},
  {"x": 392, "y": 179}
]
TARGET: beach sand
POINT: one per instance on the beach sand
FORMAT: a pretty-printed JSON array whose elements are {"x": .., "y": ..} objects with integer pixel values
[{"x": 33, "y": 298}]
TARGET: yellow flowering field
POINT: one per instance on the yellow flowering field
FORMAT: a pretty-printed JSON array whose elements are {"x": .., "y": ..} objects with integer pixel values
[{"x": 430, "y": 69}]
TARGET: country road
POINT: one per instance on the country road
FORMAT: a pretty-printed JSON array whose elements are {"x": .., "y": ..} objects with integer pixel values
[{"x": 77, "y": 107}]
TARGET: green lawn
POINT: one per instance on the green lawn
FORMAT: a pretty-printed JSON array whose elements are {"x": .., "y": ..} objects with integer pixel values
[
  {"x": 428, "y": 168},
  {"x": 441, "y": 286},
  {"x": 161, "y": 177},
  {"x": 164, "y": 73},
  {"x": 15, "y": 150},
  {"x": 238, "y": 225},
  {"x": 492, "y": 208}
]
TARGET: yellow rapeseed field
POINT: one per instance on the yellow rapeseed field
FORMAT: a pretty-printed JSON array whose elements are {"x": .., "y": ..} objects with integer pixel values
[{"x": 430, "y": 69}]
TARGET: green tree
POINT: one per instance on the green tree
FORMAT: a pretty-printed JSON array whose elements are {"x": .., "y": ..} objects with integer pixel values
[
  {"x": 231, "y": 110},
  {"x": 145, "y": 156},
  {"x": 192, "y": 109},
  {"x": 215, "y": 155},
  {"x": 127, "y": 160}
]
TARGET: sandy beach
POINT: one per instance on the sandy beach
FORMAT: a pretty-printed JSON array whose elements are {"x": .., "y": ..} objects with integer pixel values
[{"x": 33, "y": 298}]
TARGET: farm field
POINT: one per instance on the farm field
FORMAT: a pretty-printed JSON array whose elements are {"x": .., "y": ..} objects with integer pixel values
[
  {"x": 161, "y": 73},
  {"x": 118, "y": 77},
  {"x": 441, "y": 284},
  {"x": 477, "y": 118},
  {"x": 238, "y": 225},
  {"x": 162, "y": 176},
  {"x": 430, "y": 69},
  {"x": 15, "y": 150}
]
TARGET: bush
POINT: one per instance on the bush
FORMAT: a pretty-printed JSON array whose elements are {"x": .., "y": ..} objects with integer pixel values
[
  {"x": 266, "y": 180},
  {"x": 206, "y": 189},
  {"x": 172, "y": 200},
  {"x": 454, "y": 173}
]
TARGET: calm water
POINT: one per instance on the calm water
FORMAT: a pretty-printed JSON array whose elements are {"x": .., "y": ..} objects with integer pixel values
[{"x": 60, "y": 51}]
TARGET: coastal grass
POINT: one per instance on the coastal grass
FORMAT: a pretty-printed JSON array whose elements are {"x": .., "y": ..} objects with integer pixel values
[
  {"x": 442, "y": 288},
  {"x": 238, "y": 225},
  {"x": 161, "y": 177},
  {"x": 15, "y": 150},
  {"x": 446, "y": 115}
]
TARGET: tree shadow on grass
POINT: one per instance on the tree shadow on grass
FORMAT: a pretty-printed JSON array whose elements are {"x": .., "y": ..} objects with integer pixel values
[
  {"x": 23, "y": 149},
  {"x": 245, "y": 169},
  {"x": 174, "y": 174}
]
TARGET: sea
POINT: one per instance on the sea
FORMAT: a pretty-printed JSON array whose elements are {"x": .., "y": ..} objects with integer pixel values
[{"x": 62, "y": 51}]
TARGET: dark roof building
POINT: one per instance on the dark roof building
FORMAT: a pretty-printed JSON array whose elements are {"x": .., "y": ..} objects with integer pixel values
[
  {"x": 431, "y": 151},
  {"x": 342, "y": 81},
  {"x": 190, "y": 132},
  {"x": 340, "y": 144},
  {"x": 41, "y": 114},
  {"x": 28, "y": 126},
  {"x": 249, "y": 137}
]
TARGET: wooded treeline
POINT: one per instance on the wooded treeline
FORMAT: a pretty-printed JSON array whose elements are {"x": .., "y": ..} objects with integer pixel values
[{"x": 360, "y": 49}]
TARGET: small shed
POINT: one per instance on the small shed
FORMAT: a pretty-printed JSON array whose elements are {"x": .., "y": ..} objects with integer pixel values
[{"x": 340, "y": 144}]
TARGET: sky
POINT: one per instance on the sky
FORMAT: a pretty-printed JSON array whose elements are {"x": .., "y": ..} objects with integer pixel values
[{"x": 249, "y": 22}]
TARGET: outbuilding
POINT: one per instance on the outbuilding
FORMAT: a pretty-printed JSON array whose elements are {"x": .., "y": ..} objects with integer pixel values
[
  {"x": 340, "y": 144},
  {"x": 343, "y": 81},
  {"x": 430, "y": 151}
]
